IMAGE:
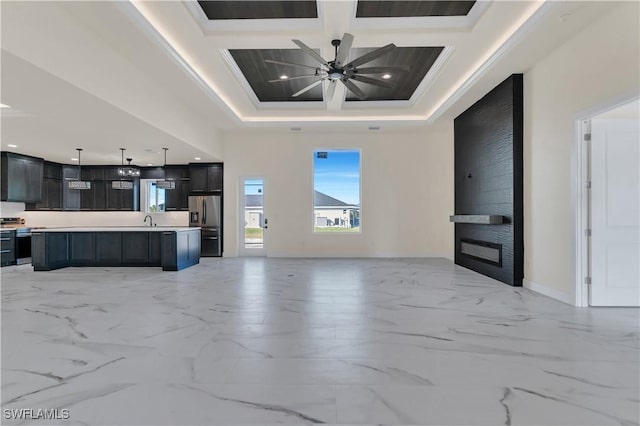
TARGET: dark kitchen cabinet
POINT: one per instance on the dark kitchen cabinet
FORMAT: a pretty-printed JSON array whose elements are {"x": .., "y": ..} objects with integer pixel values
[
  {"x": 7, "y": 247},
  {"x": 108, "y": 248},
  {"x": 52, "y": 198},
  {"x": 206, "y": 177},
  {"x": 21, "y": 178},
  {"x": 82, "y": 248},
  {"x": 135, "y": 248},
  {"x": 94, "y": 198},
  {"x": 177, "y": 199},
  {"x": 51, "y": 195},
  {"x": 102, "y": 196},
  {"x": 154, "y": 248},
  {"x": 70, "y": 197}
]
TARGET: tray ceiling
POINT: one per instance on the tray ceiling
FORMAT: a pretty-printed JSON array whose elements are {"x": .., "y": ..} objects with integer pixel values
[
  {"x": 259, "y": 9},
  {"x": 409, "y": 8}
]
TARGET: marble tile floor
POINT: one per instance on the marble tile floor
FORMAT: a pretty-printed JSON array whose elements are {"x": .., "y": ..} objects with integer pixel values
[{"x": 342, "y": 341}]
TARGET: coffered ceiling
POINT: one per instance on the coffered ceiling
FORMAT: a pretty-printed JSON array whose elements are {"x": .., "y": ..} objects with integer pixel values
[{"x": 184, "y": 73}]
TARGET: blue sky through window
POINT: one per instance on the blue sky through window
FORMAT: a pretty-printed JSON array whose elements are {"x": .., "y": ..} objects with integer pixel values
[{"x": 338, "y": 175}]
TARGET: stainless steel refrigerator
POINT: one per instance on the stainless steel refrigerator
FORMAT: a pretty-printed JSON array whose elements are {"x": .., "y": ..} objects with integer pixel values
[{"x": 205, "y": 211}]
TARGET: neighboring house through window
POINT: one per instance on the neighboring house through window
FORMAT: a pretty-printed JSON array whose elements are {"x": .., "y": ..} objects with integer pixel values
[{"x": 336, "y": 197}]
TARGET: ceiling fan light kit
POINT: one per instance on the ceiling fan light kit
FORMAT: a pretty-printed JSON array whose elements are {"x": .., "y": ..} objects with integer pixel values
[{"x": 337, "y": 70}]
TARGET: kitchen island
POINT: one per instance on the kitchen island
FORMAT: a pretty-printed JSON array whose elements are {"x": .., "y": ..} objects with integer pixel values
[{"x": 172, "y": 248}]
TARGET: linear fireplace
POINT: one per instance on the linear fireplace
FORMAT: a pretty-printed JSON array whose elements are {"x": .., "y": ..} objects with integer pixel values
[
  {"x": 488, "y": 211},
  {"x": 483, "y": 251}
]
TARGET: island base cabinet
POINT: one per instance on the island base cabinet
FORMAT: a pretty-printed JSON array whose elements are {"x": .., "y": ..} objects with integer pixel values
[
  {"x": 180, "y": 249},
  {"x": 135, "y": 248},
  {"x": 83, "y": 249},
  {"x": 154, "y": 248},
  {"x": 108, "y": 248},
  {"x": 49, "y": 251},
  {"x": 173, "y": 250}
]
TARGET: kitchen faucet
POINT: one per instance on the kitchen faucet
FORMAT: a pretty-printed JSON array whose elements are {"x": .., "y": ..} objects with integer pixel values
[{"x": 150, "y": 219}]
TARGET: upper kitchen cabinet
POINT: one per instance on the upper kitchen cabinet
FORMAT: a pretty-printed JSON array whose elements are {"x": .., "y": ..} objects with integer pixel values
[
  {"x": 70, "y": 197},
  {"x": 102, "y": 196},
  {"x": 51, "y": 188},
  {"x": 206, "y": 177},
  {"x": 21, "y": 178},
  {"x": 177, "y": 199}
]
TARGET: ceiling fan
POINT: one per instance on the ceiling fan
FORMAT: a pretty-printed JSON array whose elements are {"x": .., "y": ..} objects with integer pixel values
[{"x": 338, "y": 70}]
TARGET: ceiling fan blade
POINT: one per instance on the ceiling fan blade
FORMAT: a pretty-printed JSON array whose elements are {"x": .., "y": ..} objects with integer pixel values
[
  {"x": 297, "y": 77},
  {"x": 331, "y": 90},
  {"x": 344, "y": 49},
  {"x": 373, "y": 81},
  {"x": 354, "y": 89},
  {"x": 374, "y": 54},
  {"x": 382, "y": 70},
  {"x": 309, "y": 87},
  {"x": 291, "y": 64},
  {"x": 309, "y": 51}
]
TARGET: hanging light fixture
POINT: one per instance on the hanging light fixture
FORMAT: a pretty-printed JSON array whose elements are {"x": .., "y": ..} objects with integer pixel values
[
  {"x": 165, "y": 184},
  {"x": 122, "y": 184},
  {"x": 128, "y": 170},
  {"x": 79, "y": 183}
]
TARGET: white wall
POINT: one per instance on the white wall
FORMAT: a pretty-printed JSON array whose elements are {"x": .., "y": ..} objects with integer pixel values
[
  {"x": 64, "y": 219},
  {"x": 407, "y": 191},
  {"x": 599, "y": 65}
]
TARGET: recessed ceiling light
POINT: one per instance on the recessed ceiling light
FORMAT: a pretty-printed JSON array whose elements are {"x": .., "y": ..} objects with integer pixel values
[
  {"x": 196, "y": 158},
  {"x": 74, "y": 159},
  {"x": 386, "y": 76},
  {"x": 10, "y": 145},
  {"x": 4, "y": 106},
  {"x": 149, "y": 164},
  {"x": 284, "y": 77}
]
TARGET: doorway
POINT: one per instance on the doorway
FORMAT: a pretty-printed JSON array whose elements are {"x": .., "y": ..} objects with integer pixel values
[
  {"x": 252, "y": 220},
  {"x": 611, "y": 242}
]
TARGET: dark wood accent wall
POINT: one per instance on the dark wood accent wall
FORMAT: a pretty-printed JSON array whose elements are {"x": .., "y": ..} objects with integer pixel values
[{"x": 489, "y": 178}]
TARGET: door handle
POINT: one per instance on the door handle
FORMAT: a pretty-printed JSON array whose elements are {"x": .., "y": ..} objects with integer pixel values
[{"x": 204, "y": 212}]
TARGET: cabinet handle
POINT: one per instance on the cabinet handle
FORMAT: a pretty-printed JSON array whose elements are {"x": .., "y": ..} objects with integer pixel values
[
  {"x": 5, "y": 251},
  {"x": 5, "y": 239}
]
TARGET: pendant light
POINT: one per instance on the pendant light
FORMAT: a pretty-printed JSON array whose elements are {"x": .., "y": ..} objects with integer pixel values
[
  {"x": 79, "y": 183},
  {"x": 165, "y": 184},
  {"x": 128, "y": 170},
  {"x": 121, "y": 184}
]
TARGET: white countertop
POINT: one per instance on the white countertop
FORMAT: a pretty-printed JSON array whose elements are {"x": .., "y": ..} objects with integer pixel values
[{"x": 119, "y": 229}]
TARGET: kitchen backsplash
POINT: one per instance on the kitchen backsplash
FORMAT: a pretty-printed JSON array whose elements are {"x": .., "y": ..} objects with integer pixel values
[{"x": 69, "y": 218}]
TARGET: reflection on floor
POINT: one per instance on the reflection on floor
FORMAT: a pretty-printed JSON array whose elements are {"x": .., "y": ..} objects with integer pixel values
[{"x": 410, "y": 341}]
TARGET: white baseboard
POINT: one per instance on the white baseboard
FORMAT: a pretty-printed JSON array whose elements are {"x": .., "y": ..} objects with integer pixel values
[{"x": 549, "y": 292}]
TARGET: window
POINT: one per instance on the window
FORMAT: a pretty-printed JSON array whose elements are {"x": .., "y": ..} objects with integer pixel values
[
  {"x": 336, "y": 191},
  {"x": 153, "y": 196}
]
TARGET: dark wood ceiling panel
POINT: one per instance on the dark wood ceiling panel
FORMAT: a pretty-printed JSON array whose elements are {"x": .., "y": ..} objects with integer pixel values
[
  {"x": 419, "y": 59},
  {"x": 408, "y": 8},
  {"x": 257, "y": 72},
  {"x": 259, "y": 9}
]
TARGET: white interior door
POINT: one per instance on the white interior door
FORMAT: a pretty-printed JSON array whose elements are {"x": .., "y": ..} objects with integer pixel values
[
  {"x": 615, "y": 213},
  {"x": 253, "y": 222}
]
